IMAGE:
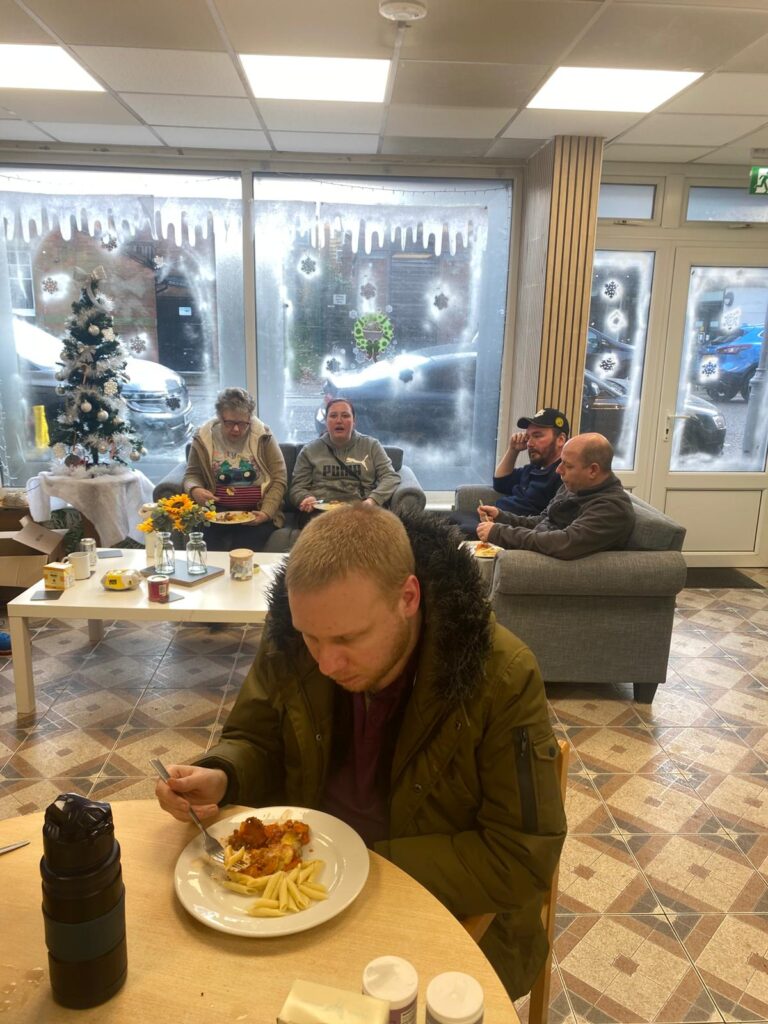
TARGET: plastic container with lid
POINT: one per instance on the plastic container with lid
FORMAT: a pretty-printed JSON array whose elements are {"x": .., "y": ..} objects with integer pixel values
[
  {"x": 454, "y": 998},
  {"x": 396, "y": 982}
]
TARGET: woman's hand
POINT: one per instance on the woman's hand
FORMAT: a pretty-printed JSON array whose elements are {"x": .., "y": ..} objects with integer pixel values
[
  {"x": 483, "y": 529},
  {"x": 307, "y": 504},
  {"x": 203, "y": 495},
  {"x": 258, "y": 517},
  {"x": 191, "y": 786}
]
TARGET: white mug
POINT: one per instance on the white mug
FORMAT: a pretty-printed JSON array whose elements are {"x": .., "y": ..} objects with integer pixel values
[{"x": 80, "y": 562}]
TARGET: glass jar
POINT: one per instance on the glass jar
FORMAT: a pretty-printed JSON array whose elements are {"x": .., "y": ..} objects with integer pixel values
[
  {"x": 197, "y": 554},
  {"x": 165, "y": 556}
]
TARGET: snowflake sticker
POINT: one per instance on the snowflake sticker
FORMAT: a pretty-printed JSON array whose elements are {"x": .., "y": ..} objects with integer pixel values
[
  {"x": 611, "y": 289},
  {"x": 308, "y": 266},
  {"x": 368, "y": 290},
  {"x": 709, "y": 371},
  {"x": 616, "y": 321},
  {"x": 607, "y": 365},
  {"x": 441, "y": 301},
  {"x": 731, "y": 319},
  {"x": 158, "y": 261},
  {"x": 109, "y": 241},
  {"x": 49, "y": 286},
  {"x": 173, "y": 402},
  {"x": 137, "y": 345}
]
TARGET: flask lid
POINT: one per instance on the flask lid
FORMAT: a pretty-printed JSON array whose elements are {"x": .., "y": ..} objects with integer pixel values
[{"x": 78, "y": 833}]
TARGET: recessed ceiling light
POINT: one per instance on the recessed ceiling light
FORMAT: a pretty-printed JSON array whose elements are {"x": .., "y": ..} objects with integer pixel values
[
  {"x": 624, "y": 89},
  {"x": 351, "y": 79},
  {"x": 42, "y": 67}
]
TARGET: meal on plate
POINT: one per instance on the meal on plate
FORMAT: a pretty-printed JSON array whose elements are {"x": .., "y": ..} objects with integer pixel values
[
  {"x": 330, "y": 504},
  {"x": 485, "y": 550},
  {"x": 267, "y": 859},
  {"x": 233, "y": 517}
]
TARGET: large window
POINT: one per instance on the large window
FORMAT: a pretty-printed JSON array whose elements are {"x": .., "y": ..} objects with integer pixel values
[
  {"x": 393, "y": 295},
  {"x": 726, "y": 204},
  {"x": 171, "y": 246}
]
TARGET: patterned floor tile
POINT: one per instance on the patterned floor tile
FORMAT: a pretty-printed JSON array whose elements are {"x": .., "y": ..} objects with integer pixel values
[
  {"x": 748, "y": 706},
  {"x": 122, "y": 789},
  {"x": 191, "y": 707},
  {"x": 755, "y": 849},
  {"x": 723, "y": 672},
  {"x": 618, "y": 750},
  {"x": 677, "y": 706},
  {"x": 131, "y": 754},
  {"x": 121, "y": 671},
  {"x": 693, "y": 645},
  {"x": 26, "y": 796},
  {"x": 252, "y": 640},
  {"x": 58, "y": 642},
  {"x": 719, "y": 618},
  {"x": 739, "y": 801},
  {"x": 730, "y": 955},
  {"x": 704, "y": 873},
  {"x": 193, "y": 670},
  {"x": 61, "y": 752},
  {"x": 132, "y": 643},
  {"x": 709, "y": 750},
  {"x": 598, "y": 874},
  {"x": 559, "y": 1007},
  {"x": 584, "y": 809},
  {"x": 200, "y": 639},
  {"x": 629, "y": 968},
  {"x": 740, "y": 644},
  {"x": 644, "y": 803},
  {"x": 97, "y": 709},
  {"x": 590, "y": 707}
]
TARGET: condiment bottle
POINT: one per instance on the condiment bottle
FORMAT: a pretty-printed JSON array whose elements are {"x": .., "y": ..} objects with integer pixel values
[
  {"x": 454, "y": 998},
  {"x": 83, "y": 902},
  {"x": 396, "y": 982}
]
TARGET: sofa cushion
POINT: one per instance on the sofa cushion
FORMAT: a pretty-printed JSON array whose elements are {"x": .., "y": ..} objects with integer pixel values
[{"x": 654, "y": 531}]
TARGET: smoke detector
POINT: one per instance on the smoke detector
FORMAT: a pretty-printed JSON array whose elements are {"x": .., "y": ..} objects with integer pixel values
[{"x": 402, "y": 10}]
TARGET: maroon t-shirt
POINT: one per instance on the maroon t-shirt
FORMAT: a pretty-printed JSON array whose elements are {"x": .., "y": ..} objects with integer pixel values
[{"x": 365, "y": 732}]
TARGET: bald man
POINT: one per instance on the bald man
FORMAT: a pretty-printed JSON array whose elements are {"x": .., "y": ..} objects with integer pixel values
[{"x": 590, "y": 512}]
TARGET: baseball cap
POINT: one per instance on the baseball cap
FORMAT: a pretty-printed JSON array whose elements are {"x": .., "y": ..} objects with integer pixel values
[{"x": 546, "y": 418}]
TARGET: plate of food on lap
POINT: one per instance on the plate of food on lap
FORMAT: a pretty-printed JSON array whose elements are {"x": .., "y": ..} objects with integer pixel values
[
  {"x": 327, "y": 506},
  {"x": 231, "y": 516},
  {"x": 482, "y": 549}
]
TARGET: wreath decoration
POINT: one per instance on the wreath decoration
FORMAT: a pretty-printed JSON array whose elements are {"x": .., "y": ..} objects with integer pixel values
[{"x": 373, "y": 334}]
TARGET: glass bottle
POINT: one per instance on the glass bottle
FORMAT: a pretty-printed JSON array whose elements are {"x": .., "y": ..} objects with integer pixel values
[
  {"x": 197, "y": 554},
  {"x": 165, "y": 563}
]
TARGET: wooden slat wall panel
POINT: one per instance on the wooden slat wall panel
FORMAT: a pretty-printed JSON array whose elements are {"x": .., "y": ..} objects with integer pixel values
[{"x": 577, "y": 163}]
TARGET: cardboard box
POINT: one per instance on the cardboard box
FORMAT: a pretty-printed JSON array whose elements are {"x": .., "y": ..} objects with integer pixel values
[{"x": 24, "y": 552}]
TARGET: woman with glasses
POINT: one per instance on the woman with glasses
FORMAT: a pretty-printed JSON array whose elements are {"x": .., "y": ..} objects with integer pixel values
[{"x": 235, "y": 461}]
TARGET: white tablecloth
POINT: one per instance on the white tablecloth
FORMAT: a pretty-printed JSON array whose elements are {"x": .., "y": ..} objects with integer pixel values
[{"x": 111, "y": 501}]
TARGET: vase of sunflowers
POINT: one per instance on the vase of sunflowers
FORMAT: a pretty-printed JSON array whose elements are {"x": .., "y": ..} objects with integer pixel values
[{"x": 179, "y": 514}]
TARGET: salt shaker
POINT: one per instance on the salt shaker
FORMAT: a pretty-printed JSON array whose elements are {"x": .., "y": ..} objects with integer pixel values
[
  {"x": 396, "y": 982},
  {"x": 83, "y": 902},
  {"x": 454, "y": 998}
]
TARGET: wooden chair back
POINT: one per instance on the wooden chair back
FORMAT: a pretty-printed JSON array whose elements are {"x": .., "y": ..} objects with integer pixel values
[{"x": 478, "y": 924}]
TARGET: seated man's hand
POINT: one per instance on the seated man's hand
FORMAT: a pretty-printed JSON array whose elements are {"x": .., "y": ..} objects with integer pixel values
[
  {"x": 368, "y": 501},
  {"x": 190, "y": 786},
  {"x": 308, "y": 503},
  {"x": 487, "y": 512},
  {"x": 518, "y": 442},
  {"x": 201, "y": 495},
  {"x": 258, "y": 517},
  {"x": 483, "y": 529}
]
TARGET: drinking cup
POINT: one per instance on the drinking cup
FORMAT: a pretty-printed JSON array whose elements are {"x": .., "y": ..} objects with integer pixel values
[{"x": 81, "y": 564}]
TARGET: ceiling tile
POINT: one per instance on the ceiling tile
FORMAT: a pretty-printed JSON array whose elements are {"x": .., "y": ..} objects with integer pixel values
[
  {"x": 691, "y": 129},
  {"x": 304, "y": 28},
  {"x": 175, "y": 24},
  {"x": 163, "y": 71},
  {"x": 515, "y": 148},
  {"x": 632, "y": 35},
  {"x": 447, "y": 122},
  {"x": 724, "y": 94},
  {"x": 73, "y": 107},
  {"x": 455, "y": 84},
  {"x": 321, "y": 116},
  {"x": 397, "y": 145},
  {"x": 657, "y": 154},
  {"x": 753, "y": 58},
  {"x": 21, "y": 131},
  {"x": 543, "y": 124},
  {"x": 104, "y": 134},
  {"x": 324, "y": 142},
  {"x": 737, "y": 152},
  {"x": 193, "y": 111},
  {"x": 213, "y": 138},
  {"x": 497, "y": 31},
  {"x": 18, "y": 27}
]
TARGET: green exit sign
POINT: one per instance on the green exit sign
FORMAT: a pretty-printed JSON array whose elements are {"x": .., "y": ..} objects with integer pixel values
[{"x": 758, "y": 181}]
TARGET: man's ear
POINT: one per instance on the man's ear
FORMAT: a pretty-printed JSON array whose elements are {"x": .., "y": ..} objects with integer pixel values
[{"x": 410, "y": 596}]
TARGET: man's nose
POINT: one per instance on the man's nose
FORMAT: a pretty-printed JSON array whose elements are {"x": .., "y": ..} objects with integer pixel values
[{"x": 330, "y": 659}]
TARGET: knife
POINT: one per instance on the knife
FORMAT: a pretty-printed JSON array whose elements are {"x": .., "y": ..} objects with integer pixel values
[{"x": 14, "y": 846}]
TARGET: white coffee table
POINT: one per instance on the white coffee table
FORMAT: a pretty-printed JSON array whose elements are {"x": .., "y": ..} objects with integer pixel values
[{"x": 216, "y": 600}]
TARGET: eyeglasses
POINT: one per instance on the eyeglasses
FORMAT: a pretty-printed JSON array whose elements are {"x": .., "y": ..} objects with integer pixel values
[{"x": 231, "y": 424}]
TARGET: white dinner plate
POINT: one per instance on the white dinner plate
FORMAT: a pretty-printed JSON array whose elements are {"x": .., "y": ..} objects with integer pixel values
[
  {"x": 490, "y": 552},
  {"x": 235, "y": 518},
  {"x": 331, "y": 840},
  {"x": 326, "y": 506}
]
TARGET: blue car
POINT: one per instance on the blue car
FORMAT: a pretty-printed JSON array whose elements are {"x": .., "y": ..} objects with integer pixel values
[{"x": 727, "y": 365}]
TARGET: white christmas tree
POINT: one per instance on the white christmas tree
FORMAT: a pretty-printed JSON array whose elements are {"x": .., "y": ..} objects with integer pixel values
[{"x": 91, "y": 429}]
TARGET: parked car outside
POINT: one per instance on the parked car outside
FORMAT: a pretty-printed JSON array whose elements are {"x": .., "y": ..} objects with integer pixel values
[
  {"x": 727, "y": 365},
  {"x": 156, "y": 397},
  {"x": 604, "y": 404}
]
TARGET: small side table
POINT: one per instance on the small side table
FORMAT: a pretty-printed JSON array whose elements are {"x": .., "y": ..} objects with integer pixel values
[{"x": 111, "y": 502}]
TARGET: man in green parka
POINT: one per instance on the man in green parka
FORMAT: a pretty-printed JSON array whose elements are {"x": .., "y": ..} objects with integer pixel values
[{"x": 385, "y": 693}]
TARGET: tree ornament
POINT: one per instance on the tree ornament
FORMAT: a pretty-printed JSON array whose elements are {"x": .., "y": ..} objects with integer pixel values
[
  {"x": 134, "y": 456},
  {"x": 103, "y": 446},
  {"x": 94, "y": 330},
  {"x": 61, "y": 375},
  {"x": 85, "y": 406},
  {"x": 60, "y": 389},
  {"x": 102, "y": 415},
  {"x": 111, "y": 388},
  {"x": 108, "y": 334}
]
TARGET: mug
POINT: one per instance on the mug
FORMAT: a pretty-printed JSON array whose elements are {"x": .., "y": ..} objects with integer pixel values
[{"x": 81, "y": 563}]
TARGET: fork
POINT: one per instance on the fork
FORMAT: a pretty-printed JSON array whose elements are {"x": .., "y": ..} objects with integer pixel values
[{"x": 212, "y": 846}]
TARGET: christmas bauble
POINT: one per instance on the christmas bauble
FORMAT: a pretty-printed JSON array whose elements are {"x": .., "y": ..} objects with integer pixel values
[
  {"x": 60, "y": 375},
  {"x": 60, "y": 390},
  {"x": 93, "y": 329},
  {"x": 102, "y": 415},
  {"x": 85, "y": 406},
  {"x": 134, "y": 456}
]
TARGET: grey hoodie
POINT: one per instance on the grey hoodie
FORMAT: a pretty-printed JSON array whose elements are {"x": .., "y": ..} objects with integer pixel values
[{"x": 360, "y": 469}]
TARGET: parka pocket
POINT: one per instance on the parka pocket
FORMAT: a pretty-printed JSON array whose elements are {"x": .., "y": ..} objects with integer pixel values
[{"x": 540, "y": 801}]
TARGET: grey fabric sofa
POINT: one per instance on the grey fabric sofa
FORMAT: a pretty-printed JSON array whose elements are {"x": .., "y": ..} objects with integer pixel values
[
  {"x": 409, "y": 497},
  {"x": 606, "y": 618}
]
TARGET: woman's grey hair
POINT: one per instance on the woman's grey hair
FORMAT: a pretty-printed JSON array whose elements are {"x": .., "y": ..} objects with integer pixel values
[{"x": 234, "y": 398}]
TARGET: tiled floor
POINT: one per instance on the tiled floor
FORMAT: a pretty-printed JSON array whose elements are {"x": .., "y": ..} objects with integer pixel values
[{"x": 663, "y": 908}]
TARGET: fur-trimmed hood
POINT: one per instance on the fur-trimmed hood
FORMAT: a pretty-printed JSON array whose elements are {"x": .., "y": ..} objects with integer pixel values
[{"x": 456, "y": 632}]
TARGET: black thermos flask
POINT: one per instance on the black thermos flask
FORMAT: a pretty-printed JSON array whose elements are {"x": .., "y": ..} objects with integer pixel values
[{"x": 83, "y": 902}]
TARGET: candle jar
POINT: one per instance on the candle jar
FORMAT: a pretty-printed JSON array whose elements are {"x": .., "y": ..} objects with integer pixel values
[
  {"x": 241, "y": 564},
  {"x": 165, "y": 556},
  {"x": 197, "y": 554}
]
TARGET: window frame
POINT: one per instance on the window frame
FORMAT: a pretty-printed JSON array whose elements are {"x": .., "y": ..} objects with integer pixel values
[
  {"x": 659, "y": 181},
  {"x": 709, "y": 225}
]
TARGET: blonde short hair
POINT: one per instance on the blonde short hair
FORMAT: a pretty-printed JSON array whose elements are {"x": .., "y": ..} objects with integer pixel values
[{"x": 358, "y": 538}]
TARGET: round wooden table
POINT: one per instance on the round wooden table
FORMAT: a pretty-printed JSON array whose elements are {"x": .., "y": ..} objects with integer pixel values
[{"x": 182, "y": 972}]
